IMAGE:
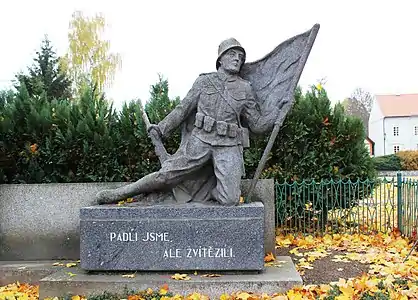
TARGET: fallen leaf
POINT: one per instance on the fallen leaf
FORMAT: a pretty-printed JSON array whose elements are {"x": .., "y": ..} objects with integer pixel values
[
  {"x": 196, "y": 296},
  {"x": 243, "y": 296},
  {"x": 178, "y": 276},
  {"x": 164, "y": 289},
  {"x": 211, "y": 275},
  {"x": 269, "y": 257},
  {"x": 224, "y": 297},
  {"x": 69, "y": 265},
  {"x": 71, "y": 274}
]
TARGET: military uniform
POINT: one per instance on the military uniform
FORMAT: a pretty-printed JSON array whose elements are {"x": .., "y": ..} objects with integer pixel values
[
  {"x": 220, "y": 102},
  {"x": 217, "y": 102}
]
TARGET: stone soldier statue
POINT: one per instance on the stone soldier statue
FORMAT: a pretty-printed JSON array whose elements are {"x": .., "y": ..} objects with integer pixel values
[
  {"x": 213, "y": 115},
  {"x": 221, "y": 100}
]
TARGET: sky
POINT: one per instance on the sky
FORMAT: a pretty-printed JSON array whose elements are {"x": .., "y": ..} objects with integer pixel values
[{"x": 368, "y": 44}]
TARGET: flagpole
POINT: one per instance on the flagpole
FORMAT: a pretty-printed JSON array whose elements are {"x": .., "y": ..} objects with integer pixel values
[{"x": 286, "y": 109}]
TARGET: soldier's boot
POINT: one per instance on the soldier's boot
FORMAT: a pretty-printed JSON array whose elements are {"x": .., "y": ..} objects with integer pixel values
[{"x": 146, "y": 184}]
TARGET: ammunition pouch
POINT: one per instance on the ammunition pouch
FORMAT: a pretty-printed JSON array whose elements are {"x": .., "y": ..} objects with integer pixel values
[
  {"x": 222, "y": 128},
  {"x": 199, "y": 120}
]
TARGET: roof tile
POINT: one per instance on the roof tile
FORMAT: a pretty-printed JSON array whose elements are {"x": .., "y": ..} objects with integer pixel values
[{"x": 398, "y": 105}]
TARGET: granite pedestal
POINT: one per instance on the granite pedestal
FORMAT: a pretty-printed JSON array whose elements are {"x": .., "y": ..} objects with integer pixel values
[{"x": 192, "y": 236}]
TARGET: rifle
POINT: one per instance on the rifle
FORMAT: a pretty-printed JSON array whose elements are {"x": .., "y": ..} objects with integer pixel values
[{"x": 180, "y": 193}]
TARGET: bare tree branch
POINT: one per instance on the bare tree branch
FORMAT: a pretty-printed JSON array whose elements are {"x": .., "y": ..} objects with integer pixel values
[
  {"x": 364, "y": 97},
  {"x": 360, "y": 104}
]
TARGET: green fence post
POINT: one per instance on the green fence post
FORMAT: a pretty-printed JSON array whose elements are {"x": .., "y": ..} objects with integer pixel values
[{"x": 399, "y": 189}]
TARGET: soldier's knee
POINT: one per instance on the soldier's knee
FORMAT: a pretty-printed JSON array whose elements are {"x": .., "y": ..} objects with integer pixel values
[
  {"x": 227, "y": 197},
  {"x": 166, "y": 178}
]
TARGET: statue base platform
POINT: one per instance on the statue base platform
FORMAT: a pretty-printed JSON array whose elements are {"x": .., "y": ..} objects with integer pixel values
[
  {"x": 192, "y": 236},
  {"x": 275, "y": 279}
]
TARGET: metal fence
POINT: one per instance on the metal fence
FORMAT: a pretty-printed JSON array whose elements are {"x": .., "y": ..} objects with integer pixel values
[{"x": 368, "y": 206}]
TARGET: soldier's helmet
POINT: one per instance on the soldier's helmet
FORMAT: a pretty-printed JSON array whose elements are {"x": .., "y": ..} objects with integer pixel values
[{"x": 225, "y": 46}]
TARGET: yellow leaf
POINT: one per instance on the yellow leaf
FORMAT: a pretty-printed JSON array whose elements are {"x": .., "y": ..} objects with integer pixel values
[
  {"x": 178, "y": 276},
  {"x": 128, "y": 276},
  {"x": 343, "y": 297},
  {"x": 163, "y": 291},
  {"x": 284, "y": 242},
  {"x": 243, "y": 296},
  {"x": 311, "y": 258},
  {"x": 324, "y": 288},
  {"x": 76, "y": 297},
  {"x": 347, "y": 291},
  {"x": 71, "y": 274},
  {"x": 225, "y": 297},
  {"x": 280, "y": 297},
  {"x": 291, "y": 294},
  {"x": 196, "y": 296},
  {"x": 69, "y": 265}
]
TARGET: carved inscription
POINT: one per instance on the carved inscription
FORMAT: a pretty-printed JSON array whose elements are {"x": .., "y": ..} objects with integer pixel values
[
  {"x": 201, "y": 252},
  {"x": 186, "y": 252}
]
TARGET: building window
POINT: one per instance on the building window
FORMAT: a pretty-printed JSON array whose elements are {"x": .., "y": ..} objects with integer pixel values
[
  {"x": 395, "y": 131},
  {"x": 415, "y": 130},
  {"x": 396, "y": 149}
]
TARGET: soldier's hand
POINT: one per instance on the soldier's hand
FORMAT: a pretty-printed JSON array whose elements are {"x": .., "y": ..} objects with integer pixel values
[{"x": 154, "y": 130}]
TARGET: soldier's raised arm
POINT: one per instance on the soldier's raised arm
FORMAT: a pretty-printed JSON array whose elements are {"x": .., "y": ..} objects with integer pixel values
[{"x": 182, "y": 110}]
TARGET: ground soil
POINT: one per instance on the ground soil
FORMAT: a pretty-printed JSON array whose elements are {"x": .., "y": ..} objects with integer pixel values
[{"x": 325, "y": 270}]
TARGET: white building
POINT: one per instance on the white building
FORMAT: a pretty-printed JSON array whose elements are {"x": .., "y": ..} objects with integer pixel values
[{"x": 393, "y": 123}]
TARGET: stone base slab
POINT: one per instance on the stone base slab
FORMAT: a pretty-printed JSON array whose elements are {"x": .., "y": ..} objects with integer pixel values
[
  {"x": 26, "y": 271},
  {"x": 192, "y": 236},
  {"x": 272, "y": 280},
  {"x": 51, "y": 227}
]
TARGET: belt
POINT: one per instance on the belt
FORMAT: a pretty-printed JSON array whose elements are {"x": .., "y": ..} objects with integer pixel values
[{"x": 222, "y": 128}]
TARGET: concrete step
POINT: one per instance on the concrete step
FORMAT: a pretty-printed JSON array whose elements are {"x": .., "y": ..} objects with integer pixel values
[
  {"x": 26, "y": 271},
  {"x": 75, "y": 281}
]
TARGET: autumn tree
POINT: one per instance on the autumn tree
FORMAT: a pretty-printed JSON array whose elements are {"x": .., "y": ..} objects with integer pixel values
[
  {"x": 46, "y": 76},
  {"x": 359, "y": 104},
  {"x": 89, "y": 59}
]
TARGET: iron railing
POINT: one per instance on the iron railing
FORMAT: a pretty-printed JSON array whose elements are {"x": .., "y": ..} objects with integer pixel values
[{"x": 346, "y": 206}]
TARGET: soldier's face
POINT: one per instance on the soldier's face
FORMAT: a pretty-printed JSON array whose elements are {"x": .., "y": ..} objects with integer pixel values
[{"x": 232, "y": 60}]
